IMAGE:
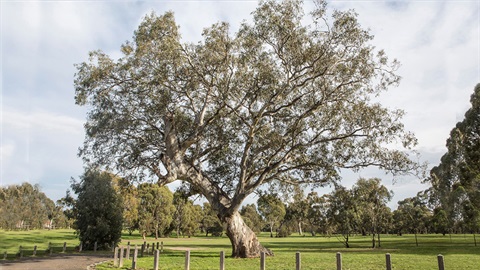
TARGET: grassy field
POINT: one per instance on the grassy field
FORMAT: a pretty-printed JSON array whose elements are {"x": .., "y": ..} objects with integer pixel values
[
  {"x": 10, "y": 242},
  {"x": 316, "y": 252}
]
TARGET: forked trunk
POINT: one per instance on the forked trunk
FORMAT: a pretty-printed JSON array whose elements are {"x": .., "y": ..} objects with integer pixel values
[{"x": 244, "y": 241}]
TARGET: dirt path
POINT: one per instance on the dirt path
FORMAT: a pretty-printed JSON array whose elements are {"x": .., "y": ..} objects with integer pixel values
[{"x": 61, "y": 262}]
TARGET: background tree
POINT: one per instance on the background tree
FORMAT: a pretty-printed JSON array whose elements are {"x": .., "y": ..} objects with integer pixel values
[
  {"x": 186, "y": 216},
  {"x": 66, "y": 204},
  {"x": 342, "y": 213},
  {"x": 413, "y": 214},
  {"x": 278, "y": 101},
  {"x": 98, "y": 209},
  {"x": 456, "y": 180},
  {"x": 272, "y": 209},
  {"x": 317, "y": 215},
  {"x": 24, "y": 206},
  {"x": 129, "y": 194},
  {"x": 210, "y": 222},
  {"x": 252, "y": 218},
  {"x": 297, "y": 208},
  {"x": 155, "y": 212},
  {"x": 440, "y": 222},
  {"x": 371, "y": 198}
]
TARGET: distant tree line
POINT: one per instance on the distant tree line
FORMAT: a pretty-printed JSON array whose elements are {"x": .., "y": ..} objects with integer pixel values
[{"x": 24, "y": 206}]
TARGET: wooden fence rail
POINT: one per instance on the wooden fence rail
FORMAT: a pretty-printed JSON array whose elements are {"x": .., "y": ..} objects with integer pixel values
[
  {"x": 122, "y": 252},
  {"x": 263, "y": 264}
]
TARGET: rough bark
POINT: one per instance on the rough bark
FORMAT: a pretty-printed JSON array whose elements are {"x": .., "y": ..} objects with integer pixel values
[{"x": 244, "y": 241}]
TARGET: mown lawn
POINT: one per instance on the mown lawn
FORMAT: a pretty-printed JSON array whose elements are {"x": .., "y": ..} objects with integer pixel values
[
  {"x": 10, "y": 242},
  {"x": 316, "y": 252}
]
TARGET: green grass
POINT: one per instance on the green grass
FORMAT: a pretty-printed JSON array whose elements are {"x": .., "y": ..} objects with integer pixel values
[
  {"x": 316, "y": 252},
  {"x": 10, "y": 242}
]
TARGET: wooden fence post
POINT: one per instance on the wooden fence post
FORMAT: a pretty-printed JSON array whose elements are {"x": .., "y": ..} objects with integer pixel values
[
  {"x": 64, "y": 247},
  {"x": 222, "y": 260},
  {"x": 298, "y": 261},
  {"x": 134, "y": 259},
  {"x": 262, "y": 260},
  {"x": 161, "y": 247},
  {"x": 95, "y": 245},
  {"x": 120, "y": 261},
  {"x": 158, "y": 245},
  {"x": 339, "y": 261},
  {"x": 441, "y": 264},
  {"x": 34, "y": 251},
  {"x": 21, "y": 252},
  {"x": 50, "y": 248},
  {"x": 115, "y": 257},
  {"x": 388, "y": 261},
  {"x": 142, "y": 249},
  {"x": 80, "y": 247},
  {"x": 5, "y": 255},
  {"x": 127, "y": 254},
  {"x": 148, "y": 248},
  {"x": 187, "y": 260},
  {"x": 156, "y": 259}
]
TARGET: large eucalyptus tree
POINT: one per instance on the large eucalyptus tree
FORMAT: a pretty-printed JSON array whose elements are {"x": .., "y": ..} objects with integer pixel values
[
  {"x": 278, "y": 101},
  {"x": 455, "y": 190}
]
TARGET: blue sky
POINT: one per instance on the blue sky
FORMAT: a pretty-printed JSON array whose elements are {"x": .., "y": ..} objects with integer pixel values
[{"x": 437, "y": 42}]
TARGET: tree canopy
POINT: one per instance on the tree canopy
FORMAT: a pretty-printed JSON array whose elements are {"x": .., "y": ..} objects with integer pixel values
[
  {"x": 275, "y": 102},
  {"x": 25, "y": 206},
  {"x": 98, "y": 210},
  {"x": 455, "y": 190}
]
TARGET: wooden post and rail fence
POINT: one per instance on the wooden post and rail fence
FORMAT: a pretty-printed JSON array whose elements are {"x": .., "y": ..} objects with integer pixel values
[{"x": 124, "y": 252}]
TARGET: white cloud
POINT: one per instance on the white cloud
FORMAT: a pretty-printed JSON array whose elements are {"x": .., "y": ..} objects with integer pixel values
[
  {"x": 6, "y": 151},
  {"x": 39, "y": 147},
  {"x": 40, "y": 121}
]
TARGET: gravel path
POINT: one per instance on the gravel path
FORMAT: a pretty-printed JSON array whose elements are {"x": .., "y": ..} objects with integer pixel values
[{"x": 61, "y": 262}]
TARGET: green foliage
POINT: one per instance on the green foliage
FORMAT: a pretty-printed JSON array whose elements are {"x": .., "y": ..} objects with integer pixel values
[
  {"x": 412, "y": 215},
  {"x": 210, "y": 222},
  {"x": 252, "y": 217},
  {"x": 25, "y": 207},
  {"x": 156, "y": 208},
  {"x": 187, "y": 216},
  {"x": 65, "y": 205},
  {"x": 129, "y": 195},
  {"x": 98, "y": 210},
  {"x": 272, "y": 209},
  {"x": 317, "y": 215},
  {"x": 342, "y": 213},
  {"x": 456, "y": 180}
]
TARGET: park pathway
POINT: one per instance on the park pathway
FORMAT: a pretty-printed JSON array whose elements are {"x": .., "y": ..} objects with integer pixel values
[{"x": 60, "y": 262}]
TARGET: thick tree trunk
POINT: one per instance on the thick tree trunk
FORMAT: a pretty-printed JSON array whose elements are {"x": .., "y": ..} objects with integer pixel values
[{"x": 244, "y": 241}]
